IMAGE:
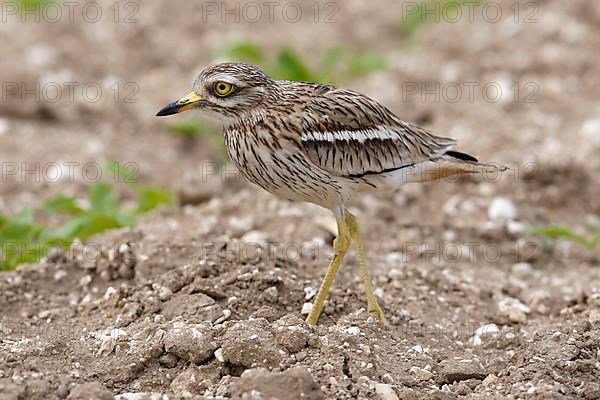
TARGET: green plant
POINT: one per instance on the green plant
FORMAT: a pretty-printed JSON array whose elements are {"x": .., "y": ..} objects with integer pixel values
[
  {"x": 22, "y": 240},
  {"x": 336, "y": 64},
  {"x": 551, "y": 233},
  {"x": 196, "y": 128}
]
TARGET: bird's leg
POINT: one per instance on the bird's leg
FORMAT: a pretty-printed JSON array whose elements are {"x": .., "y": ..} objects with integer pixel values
[
  {"x": 372, "y": 305},
  {"x": 340, "y": 246}
]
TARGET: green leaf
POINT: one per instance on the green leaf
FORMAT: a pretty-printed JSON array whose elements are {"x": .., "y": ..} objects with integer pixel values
[
  {"x": 126, "y": 219},
  {"x": 67, "y": 231},
  {"x": 189, "y": 128},
  {"x": 243, "y": 51},
  {"x": 560, "y": 232},
  {"x": 62, "y": 204},
  {"x": 125, "y": 173},
  {"x": 289, "y": 66},
  {"x": 151, "y": 198},
  {"x": 18, "y": 230},
  {"x": 97, "y": 222},
  {"x": 366, "y": 64},
  {"x": 103, "y": 198}
]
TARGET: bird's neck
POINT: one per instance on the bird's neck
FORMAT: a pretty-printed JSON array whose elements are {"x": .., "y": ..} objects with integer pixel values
[{"x": 246, "y": 119}]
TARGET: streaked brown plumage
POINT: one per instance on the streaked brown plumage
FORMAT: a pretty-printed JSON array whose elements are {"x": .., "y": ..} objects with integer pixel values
[{"x": 318, "y": 143}]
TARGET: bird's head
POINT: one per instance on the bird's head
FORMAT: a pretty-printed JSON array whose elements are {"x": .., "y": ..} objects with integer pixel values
[{"x": 226, "y": 91}]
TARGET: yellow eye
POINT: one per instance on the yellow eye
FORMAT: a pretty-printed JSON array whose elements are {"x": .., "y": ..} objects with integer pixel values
[{"x": 222, "y": 88}]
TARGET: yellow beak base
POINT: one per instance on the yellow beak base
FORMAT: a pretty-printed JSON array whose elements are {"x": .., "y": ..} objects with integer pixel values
[{"x": 185, "y": 103}]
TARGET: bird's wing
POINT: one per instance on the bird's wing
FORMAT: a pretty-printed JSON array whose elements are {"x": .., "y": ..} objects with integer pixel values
[{"x": 351, "y": 135}]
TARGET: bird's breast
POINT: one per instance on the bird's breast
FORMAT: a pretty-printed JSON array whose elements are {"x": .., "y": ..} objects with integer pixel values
[{"x": 282, "y": 169}]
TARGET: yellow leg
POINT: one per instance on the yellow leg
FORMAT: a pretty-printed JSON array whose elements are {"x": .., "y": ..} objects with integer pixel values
[
  {"x": 372, "y": 305},
  {"x": 340, "y": 246}
]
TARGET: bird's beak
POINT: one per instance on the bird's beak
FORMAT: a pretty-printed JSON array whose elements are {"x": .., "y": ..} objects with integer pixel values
[{"x": 185, "y": 103}]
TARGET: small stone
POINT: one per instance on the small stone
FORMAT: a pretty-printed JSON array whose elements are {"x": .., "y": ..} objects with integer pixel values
[
  {"x": 293, "y": 383},
  {"x": 190, "y": 383},
  {"x": 126, "y": 272},
  {"x": 224, "y": 317},
  {"x": 522, "y": 269},
  {"x": 484, "y": 332},
  {"x": 168, "y": 360},
  {"x": 513, "y": 309},
  {"x": 85, "y": 280},
  {"x": 90, "y": 391},
  {"x": 164, "y": 293},
  {"x": 453, "y": 370},
  {"x": 291, "y": 333},
  {"x": 219, "y": 355},
  {"x": 385, "y": 391},
  {"x": 256, "y": 238},
  {"x": 136, "y": 396},
  {"x": 195, "y": 343},
  {"x": 301, "y": 356},
  {"x": 489, "y": 380},
  {"x": 420, "y": 373},
  {"x": 63, "y": 391},
  {"x": 250, "y": 343},
  {"x": 353, "y": 330},
  {"x": 502, "y": 209},
  {"x": 309, "y": 292},
  {"x": 271, "y": 294},
  {"x": 306, "y": 308},
  {"x": 60, "y": 275},
  {"x": 594, "y": 317}
]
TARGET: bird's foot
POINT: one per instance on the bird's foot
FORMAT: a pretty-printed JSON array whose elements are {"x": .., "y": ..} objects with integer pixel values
[{"x": 374, "y": 309}]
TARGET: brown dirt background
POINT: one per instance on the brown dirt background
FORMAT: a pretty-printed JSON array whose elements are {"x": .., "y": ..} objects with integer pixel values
[{"x": 194, "y": 301}]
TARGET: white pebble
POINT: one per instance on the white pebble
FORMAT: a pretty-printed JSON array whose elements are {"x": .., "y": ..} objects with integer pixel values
[
  {"x": 306, "y": 308},
  {"x": 219, "y": 355},
  {"x": 309, "y": 292},
  {"x": 502, "y": 209},
  {"x": 482, "y": 331},
  {"x": 385, "y": 391},
  {"x": 513, "y": 309}
]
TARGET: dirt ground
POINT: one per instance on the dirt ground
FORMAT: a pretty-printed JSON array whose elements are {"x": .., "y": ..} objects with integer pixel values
[{"x": 204, "y": 300}]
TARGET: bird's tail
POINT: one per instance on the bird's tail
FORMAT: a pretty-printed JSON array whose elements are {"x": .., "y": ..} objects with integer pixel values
[
  {"x": 464, "y": 163},
  {"x": 453, "y": 163},
  {"x": 450, "y": 163}
]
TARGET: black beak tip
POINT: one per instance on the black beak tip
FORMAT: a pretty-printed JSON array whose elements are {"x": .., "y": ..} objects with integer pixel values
[{"x": 169, "y": 109}]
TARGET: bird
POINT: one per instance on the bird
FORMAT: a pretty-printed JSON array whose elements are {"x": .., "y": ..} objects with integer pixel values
[{"x": 322, "y": 144}]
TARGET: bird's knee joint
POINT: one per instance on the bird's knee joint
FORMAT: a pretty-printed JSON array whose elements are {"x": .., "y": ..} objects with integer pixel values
[{"x": 341, "y": 242}]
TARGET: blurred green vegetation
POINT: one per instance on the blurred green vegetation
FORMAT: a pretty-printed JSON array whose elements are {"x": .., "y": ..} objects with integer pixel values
[
  {"x": 435, "y": 11},
  {"x": 551, "y": 233},
  {"x": 23, "y": 240},
  {"x": 25, "y": 5},
  {"x": 199, "y": 129},
  {"x": 336, "y": 64}
]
